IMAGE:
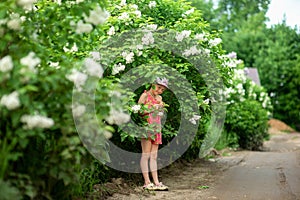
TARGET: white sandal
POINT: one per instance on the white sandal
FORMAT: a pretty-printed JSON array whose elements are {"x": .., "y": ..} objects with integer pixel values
[
  {"x": 149, "y": 186},
  {"x": 161, "y": 187}
]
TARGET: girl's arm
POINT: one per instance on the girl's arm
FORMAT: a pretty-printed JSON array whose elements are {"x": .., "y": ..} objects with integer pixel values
[{"x": 142, "y": 99}]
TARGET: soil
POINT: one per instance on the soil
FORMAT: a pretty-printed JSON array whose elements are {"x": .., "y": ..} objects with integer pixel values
[{"x": 230, "y": 175}]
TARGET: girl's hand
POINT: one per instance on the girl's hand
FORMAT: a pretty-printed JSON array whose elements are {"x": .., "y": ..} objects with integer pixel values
[{"x": 158, "y": 106}]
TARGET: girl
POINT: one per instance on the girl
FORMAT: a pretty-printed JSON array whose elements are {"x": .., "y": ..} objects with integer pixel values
[{"x": 153, "y": 101}]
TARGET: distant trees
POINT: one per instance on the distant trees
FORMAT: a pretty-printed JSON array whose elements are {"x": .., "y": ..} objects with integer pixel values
[{"x": 274, "y": 50}]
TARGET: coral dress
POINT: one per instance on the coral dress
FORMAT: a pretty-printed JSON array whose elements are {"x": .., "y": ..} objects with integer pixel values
[{"x": 154, "y": 119}]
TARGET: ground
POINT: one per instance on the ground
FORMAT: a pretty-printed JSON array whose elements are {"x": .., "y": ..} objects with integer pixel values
[{"x": 271, "y": 174}]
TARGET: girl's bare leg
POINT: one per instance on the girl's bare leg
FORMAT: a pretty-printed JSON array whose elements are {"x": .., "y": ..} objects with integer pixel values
[
  {"x": 146, "y": 149},
  {"x": 153, "y": 163}
]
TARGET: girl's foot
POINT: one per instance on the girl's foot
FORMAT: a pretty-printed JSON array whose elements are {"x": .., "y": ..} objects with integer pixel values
[
  {"x": 149, "y": 186},
  {"x": 161, "y": 187}
]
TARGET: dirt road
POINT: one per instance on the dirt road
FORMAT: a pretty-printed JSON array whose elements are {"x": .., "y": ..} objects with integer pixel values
[{"x": 244, "y": 175}]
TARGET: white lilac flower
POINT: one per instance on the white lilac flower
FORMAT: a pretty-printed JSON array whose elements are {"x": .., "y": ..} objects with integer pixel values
[
  {"x": 134, "y": 6},
  {"x": 31, "y": 61},
  {"x": 194, "y": 119},
  {"x": 188, "y": 12},
  {"x": 152, "y": 4},
  {"x": 36, "y": 121},
  {"x": 139, "y": 53},
  {"x": 239, "y": 74},
  {"x": 123, "y": 3},
  {"x": 136, "y": 108},
  {"x": 3, "y": 21},
  {"x": 184, "y": 34},
  {"x": 6, "y": 64},
  {"x": 79, "y": 1},
  {"x": 117, "y": 117},
  {"x": 78, "y": 78},
  {"x": 232, "y": 55},
  {"x": 58, "y": 2},
  {"x": 26, "y": 4},
  {"x": 191, "y": 51},
  {"x": 206, "y": 51},
  {"x": 97, "y": 16},
  {"x": 138, "y": 13},
  {"x": 129, "y": 57},
  {"x": 151, "y": 27},
  {"x": 95, "y": 55},
  {"x": 111, "y": 31},
  {"x": 148, "y": 39},
  {"x": 15, "y": 22},
  {"x": 74, "y": 48},
  {"x": 272, "y": 94},
  {"x": 139, "y": 47},
  {"x": 124, "y": 16},
  {"x": 160, "y": 114},
  {"x": 11, "y": 101},
  {"x": 117, "y": 68},
  {"x": 206, "y": 101},
  {"x": 54, "y": 64},
  {"x": 78, "y": 110},
  {"x": 93, "y": 68},
  {"x": 82, "y": 27},
  {"x": 215, "y": 42}
]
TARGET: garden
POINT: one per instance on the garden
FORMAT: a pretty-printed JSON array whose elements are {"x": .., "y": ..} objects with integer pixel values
[{"x": 71, "y": 73}]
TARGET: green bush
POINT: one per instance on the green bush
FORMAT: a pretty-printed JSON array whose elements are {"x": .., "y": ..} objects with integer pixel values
[{"x": 248, "y": 121}]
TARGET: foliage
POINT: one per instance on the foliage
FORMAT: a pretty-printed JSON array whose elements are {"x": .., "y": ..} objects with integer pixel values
[
  {"x": 248, "y": 121},
  {"x": 41, "y": 153},
  {"x": 56, "y": 85},
  {"x": 277, "y": 64},
  {"x": 245, "y": 125}
]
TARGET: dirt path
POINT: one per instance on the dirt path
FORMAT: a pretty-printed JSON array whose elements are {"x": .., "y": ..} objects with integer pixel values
[{"x": 244, "y": 175}]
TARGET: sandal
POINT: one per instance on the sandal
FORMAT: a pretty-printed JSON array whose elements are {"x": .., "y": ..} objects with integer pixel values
[
  {"x": 149, "y": 186},
  {"x": 161, "y": 187}
]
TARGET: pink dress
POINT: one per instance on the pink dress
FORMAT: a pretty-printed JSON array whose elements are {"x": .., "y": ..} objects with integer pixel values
[{"x": 155, "y": 119}]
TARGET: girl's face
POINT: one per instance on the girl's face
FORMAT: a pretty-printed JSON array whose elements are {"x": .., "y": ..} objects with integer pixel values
[{"x": 158, "y": 89}]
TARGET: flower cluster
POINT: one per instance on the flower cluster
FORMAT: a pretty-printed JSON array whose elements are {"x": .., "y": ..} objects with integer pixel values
[
  {"x": 93, "y": 68},
  {"x": 31, "y": 61},
  {"x": 11, "y": 101},
  {"x": 188, "y": 12},
  {"x": 26, "y": 4},
  {"x": 136, "y": 108},
  {"x": 148, "y": 39},
  {"x": 215, "y": 42},
  {"x": 152, "y": 4},
  {"x": 36, "y": 121},
  {"x": 191, "y": 51},
  {"x": 78, "y": 78},
  {"x": 96, "y": 17},
  {"x": 78, "y": 110},
  {"x": 184, "y": 34},
  {"x": 111, "y": 31},
  {"x": 117, "y": 68},
  {"x": 6, "y": 64},
  {"x": 129, "y": 57},
  {"x": 194, "y": 119},
  {"x": 117, "y": 117}
]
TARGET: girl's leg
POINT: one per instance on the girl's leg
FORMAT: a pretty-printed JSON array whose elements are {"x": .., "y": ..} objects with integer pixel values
[
  {"x": 153, "y": 163},
  {"x": 146, "y": 149}
]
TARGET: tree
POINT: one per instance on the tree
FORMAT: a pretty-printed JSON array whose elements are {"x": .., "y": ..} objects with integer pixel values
[{"x": 277, "y": 62}]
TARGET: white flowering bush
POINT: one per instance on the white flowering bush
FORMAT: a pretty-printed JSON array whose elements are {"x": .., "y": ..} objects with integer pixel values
[
  {"x": 248, "y": 110},
  {"x": 56, "y": 63},
  {"x": 45, "y": 53},
  {"x": 190, "y": 36}
]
